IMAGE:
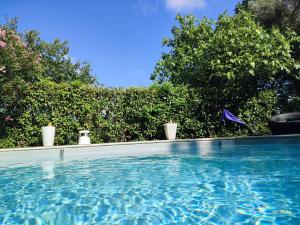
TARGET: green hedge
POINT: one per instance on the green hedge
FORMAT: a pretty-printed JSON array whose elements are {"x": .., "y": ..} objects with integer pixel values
[{"x": 118, "y": 115}]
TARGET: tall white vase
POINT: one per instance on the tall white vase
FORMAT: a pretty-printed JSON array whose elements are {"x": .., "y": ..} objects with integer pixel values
[
  {"x": 170, "y": 130},
  {"x": 48, "y": 134}
]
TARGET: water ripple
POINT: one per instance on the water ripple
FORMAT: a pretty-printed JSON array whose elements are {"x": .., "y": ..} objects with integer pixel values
[{"x": 172, "y": 189}]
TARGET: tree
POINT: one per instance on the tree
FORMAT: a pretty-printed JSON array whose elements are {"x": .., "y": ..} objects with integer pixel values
[
  {"x": 56, "y": 63},
  {"x": 285, "y": 15},
  {"x": 281, "y": 13},
  {"x": 242, "y": 6},
  {"x": 25, "y": 56},
  {"x": 232, "y": 59}
]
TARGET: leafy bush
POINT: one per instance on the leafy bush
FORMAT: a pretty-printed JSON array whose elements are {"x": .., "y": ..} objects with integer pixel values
[
  {"x": 26, "y": 59},
  {"x": 6, "y": 143},
  {"x": 114, "y": 115},
  {"x": 232, "y": 59},
  {"x": 258, "y": 109}
]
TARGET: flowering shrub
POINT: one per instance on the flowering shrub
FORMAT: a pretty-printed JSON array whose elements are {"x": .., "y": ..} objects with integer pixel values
[
  {"x": 16, "y": 59},
  {"x": 26, "y": 59},
  {"x": 2, "y": 38},
  {"x": 18, "y": 64}
]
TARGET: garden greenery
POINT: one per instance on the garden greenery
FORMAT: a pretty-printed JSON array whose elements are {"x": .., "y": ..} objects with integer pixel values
[
  {"x": 232, "y": 63},
  {"x": 114, "y": 115},
  {"x": 24, "y": 56},
  {"x": 284, "y": 14}
]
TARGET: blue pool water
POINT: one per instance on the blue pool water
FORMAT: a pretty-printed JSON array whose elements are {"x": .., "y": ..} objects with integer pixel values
[{"x": 243, "y": 183}]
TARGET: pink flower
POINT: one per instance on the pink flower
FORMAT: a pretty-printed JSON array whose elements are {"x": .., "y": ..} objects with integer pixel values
[
  {"x": 2, "y": 44},
  {"x": 8, "y": 119},
  {"x": 2, "y": 33}
]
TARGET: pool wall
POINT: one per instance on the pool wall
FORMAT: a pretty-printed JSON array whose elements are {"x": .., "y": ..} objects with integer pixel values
[{"x": 146, "y": 148}]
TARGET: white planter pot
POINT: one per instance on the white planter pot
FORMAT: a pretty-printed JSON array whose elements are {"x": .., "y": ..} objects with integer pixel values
[
  {"x": 48, "y": 134},
  {"x": 170, "y": 130},
  {"x": 84, "y": 141}
]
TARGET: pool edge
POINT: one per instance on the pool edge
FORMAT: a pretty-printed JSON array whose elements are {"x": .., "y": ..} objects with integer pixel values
[{"x": 144, "y": 142}]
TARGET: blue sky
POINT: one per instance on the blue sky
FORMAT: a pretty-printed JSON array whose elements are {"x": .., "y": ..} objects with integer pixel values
[{"x": 120, "y": 38}]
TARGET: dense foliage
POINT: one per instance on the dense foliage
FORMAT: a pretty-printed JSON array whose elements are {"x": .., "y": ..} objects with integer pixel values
[
  {"x": 122, "y": 114},
  {"x": 231, "y": 60},
  {"x": 234, "y": 63},
  {"x": 284, "y": 14},
  {"x": 26, "y": 59},
  {"x": 25, "y": 56}
]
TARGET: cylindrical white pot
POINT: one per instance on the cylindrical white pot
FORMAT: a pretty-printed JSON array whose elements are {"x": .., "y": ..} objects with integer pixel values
[
  {"x": 170, "y": 130},
  {"x": 84, "y": 140},
  {"x": 48, "y": 134}
]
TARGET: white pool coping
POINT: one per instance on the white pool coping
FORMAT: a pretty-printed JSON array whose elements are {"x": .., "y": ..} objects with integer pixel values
[{"x": 147, "y": 142}]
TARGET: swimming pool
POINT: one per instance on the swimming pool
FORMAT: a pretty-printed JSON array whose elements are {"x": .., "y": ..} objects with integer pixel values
[{"x": 239, "y": 181}]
